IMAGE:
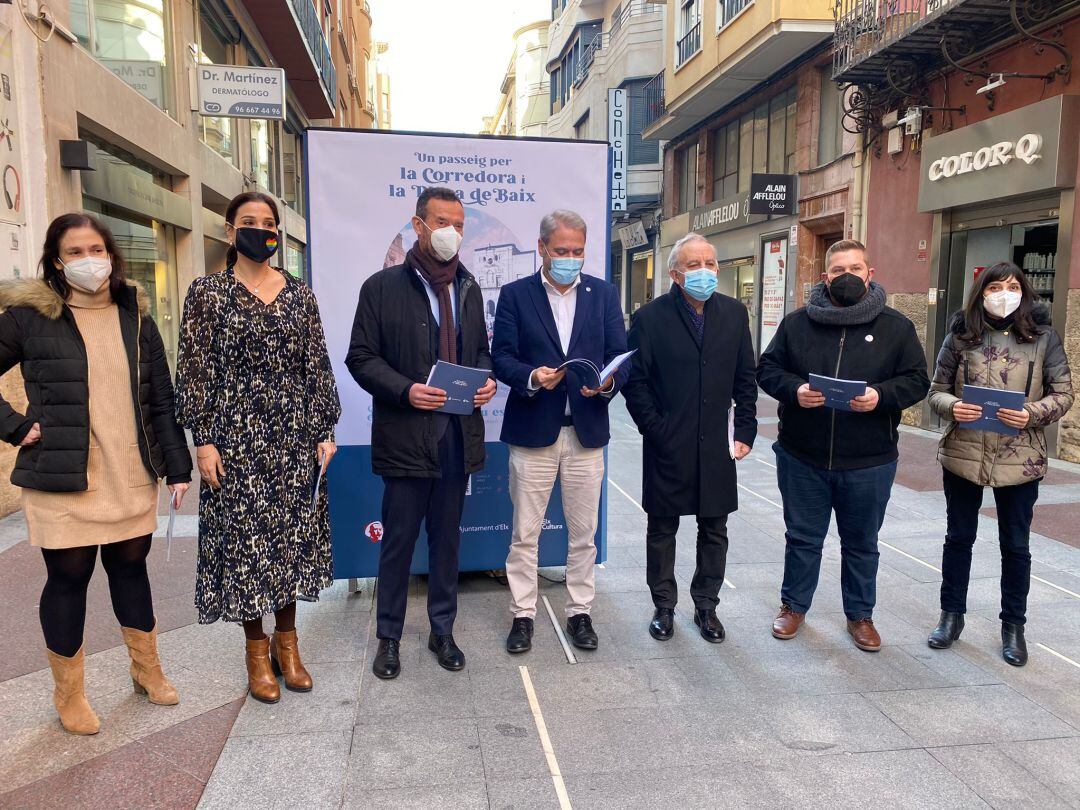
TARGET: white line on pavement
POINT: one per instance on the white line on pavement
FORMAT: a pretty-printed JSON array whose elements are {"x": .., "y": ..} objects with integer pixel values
[
  {"x": 909, "y": 556},
  {"x": 767, "y": 464},
  {"x": 1059, "y": 655},
  {"x": 1073, "y": 594},
  {"x": 545, "y": 740},
  {"x": 758, "y": 495},
  {"x": 570, "y": 657}
]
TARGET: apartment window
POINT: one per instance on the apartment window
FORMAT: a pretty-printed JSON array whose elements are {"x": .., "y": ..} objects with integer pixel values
[
  {"x": 726, "y": 161},
  {"x": 766, "y": 139},
  {"x": 292, "y": 163},
  {"x": 557, "y": 8},
  {"x": 564, "y": 76},
  {"x": 639, "y": 150},
  {"x": 686, "y": 166},
  {"x": 728, "y": 10},
  {"x": 581, "y": 128},
  {"x": 831, "y": 129},
  {"x": 689, "y": 42},
  {"x": 264, "y": 154},
  {"x": 554, "y": 87},
  {"x": 217, "y": 133},
  {"x": 130, "y": 38}
]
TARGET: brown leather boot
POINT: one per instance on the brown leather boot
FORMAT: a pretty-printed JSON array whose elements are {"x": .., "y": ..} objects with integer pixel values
[
  {"x": 261, "y": 681},
  {"x": 69, "y": 695},
  {"x": 787, "y": 623},
  {"x": 146, "y": 674},
  {"x": 285, "y": 659},
  {"x": 865, "y": 634}
]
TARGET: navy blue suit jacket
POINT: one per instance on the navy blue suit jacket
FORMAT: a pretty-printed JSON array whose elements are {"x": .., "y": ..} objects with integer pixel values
[{"x": 525, "y": 338}]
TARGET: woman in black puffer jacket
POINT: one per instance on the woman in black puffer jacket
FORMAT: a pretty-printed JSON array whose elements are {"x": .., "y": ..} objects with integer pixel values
[{"x": 98, "y": 435}]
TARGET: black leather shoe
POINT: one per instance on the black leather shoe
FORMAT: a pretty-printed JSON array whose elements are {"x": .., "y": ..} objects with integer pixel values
[
  {"x": 450, "y": 657},
  {"x": 711, "y": 629},
  {"x": 581, "y": 633},
  {"x": 662, "y": 626},
  {"x": 948, "y": 630},
  {"x": 387, "y": 663},
  {"x": 520, "y": 638},
  {"x": 1013, "y": 645}
]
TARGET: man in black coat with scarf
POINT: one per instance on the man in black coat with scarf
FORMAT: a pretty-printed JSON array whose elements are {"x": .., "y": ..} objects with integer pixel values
[
  {"x": 409, "y": 316},
  {"x": 840, "y": 460},
  {"x": 694, "y": 362}
]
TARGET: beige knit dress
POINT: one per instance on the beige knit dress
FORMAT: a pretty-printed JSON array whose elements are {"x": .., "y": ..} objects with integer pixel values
[{"x": 121, "y": 501}]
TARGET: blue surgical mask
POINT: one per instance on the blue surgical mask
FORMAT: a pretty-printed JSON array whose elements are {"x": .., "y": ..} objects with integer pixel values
[
  {"x": 699, "y": 284},
  {"x": 564, "y": 271}
]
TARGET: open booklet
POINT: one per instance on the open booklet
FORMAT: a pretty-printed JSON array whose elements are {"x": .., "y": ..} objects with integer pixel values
[{"x": 592, "y": 375}]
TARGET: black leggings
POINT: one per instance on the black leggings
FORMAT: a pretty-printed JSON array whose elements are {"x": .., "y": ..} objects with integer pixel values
[{"x": 63, "y": 600}]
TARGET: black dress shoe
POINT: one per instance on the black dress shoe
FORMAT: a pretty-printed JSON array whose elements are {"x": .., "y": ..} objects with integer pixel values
[
  {"x": 662, "y": 626},
  {"x": 450, "y": 657},
  {"x": 711, "y": 629},
  {"x": 387, "y": 663},
  {"x": 948, "y": 630},
  {"x": 1013, "y": 645},
  {"x": 581, "y": 633},
  {"x": 520, "y": 638}
]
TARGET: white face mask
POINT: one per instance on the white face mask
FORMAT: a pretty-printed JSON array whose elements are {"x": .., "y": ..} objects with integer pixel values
[
  {"x": 88, "y": 273},
  {"x": 1002, "y": 304},
  {"x": 446, "y": 242}
]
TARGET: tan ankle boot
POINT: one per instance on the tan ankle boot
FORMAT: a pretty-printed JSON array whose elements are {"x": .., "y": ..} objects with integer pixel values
[
  {"x": 146, "y": 674},
  {"x": 261, "y": 681},
  {"x": 285, "y": 659},
  {"x": 69, "y": 695}
]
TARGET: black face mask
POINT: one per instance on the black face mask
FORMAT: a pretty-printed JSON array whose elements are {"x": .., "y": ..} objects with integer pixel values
[
  {"x": 257, "y": 244},
  {"x": 847, "y": 290}
]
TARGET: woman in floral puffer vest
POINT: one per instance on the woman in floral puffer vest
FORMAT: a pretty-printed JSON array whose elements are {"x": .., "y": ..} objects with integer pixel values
[{"x": 1002, "y": 339}]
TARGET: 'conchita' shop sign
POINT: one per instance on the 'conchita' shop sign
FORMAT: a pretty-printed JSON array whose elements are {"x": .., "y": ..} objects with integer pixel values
[{"x": 1028, "y": 150}]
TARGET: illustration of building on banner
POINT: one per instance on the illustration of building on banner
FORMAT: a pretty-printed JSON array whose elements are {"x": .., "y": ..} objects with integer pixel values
[{"x": 495, "y": 266}]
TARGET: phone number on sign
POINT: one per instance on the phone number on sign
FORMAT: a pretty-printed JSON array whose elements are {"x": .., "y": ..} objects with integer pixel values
[{"x": 256, "y": 110}]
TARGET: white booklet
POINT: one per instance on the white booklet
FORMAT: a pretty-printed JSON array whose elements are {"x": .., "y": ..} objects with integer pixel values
[
  {"x": 590, "y": 371},
  {"x": 731, "y": 429}
]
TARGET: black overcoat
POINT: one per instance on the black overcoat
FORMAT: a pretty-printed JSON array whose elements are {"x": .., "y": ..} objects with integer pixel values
[{"x": 679, "y": 394}]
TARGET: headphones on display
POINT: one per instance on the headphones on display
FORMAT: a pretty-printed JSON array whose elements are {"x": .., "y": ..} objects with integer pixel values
[{"x": 13, "y": 202}]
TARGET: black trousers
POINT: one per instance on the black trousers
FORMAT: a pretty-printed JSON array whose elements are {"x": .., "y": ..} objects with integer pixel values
[
  {"x": 437, "y": 503},
  {"x": 712, "y": 546},
  {"x": 1015, "y": 507}
]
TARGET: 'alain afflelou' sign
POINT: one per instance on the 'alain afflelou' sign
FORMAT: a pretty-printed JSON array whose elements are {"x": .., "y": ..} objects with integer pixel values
[{"x": 230, "y": 91}]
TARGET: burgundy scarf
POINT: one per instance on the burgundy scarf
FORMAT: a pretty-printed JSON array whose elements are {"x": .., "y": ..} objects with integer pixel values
[{"x": 441, "y": 277}]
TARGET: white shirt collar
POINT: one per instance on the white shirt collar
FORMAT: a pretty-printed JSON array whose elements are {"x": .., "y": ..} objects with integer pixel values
[{"x": 551, "y": 288}]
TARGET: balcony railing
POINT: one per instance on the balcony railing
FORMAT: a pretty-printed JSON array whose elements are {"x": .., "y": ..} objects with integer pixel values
[
  {"x": 320, "y": 50},
  {"x": 630, "y": 8},
  {"x": 689, "y": 44},
  {"x": 588, "y": 56},
  {"x": 863, "y": 26},
  {"x": 653, "y": 97},
  {"x": 730, "y": 9}
]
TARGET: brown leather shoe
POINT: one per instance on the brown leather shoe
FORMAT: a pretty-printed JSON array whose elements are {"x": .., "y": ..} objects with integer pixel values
[
  {"x": 146, "y": 674},
  {"x": 261, "y": 681},
  {"x": 76, "y": 716},
  {"x": 285, "y": 659},
  {"x": 787, "y": 623},
  {"x": 865, "y": 634}
]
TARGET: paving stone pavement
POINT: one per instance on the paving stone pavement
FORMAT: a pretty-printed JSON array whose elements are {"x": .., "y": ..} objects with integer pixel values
[{"x": 753, "y": 722}]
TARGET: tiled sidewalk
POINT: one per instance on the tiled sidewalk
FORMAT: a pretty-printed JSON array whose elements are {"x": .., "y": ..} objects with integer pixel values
[{"x": 753, "y": 722}]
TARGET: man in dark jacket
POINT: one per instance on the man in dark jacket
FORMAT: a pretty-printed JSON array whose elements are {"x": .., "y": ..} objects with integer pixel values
[
  {"x": 831, "y": 459},
  {"x": 428, "y": 308},
  {"x": 695, "y": 362}
]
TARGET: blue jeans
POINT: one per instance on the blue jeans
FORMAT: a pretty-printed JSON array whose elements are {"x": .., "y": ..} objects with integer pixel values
[{"x": 811, "y": 494}]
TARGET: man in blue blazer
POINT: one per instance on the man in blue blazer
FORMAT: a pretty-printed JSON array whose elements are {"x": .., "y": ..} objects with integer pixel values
[{"x": 556, "y": 423}]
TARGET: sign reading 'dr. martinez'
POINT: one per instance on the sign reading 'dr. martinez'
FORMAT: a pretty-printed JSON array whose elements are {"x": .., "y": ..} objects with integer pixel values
[
  {"x": 1028, "y": 150},
  {"x": 229, "y": 91}
]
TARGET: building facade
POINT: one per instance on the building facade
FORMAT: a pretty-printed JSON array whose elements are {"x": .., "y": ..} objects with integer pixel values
[
  {"x": 601, "y": 53},
  {"x": 972, "y": 153},
  {"x": 747, "y": 90},
  {"x": 116, "y": 82},
  {"x": 522, "y": 108}
]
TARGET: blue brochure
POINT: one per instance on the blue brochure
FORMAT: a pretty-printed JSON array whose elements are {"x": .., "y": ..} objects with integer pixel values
[
  {"x": 460, "y": 384},
  {"x": 838, "y": 393},
  {"x": 990, "y": 399}
]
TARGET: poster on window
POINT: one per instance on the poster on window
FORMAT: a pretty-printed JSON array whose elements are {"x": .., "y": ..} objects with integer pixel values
[
  {"x": 362, "y": 190},
  {"x": 12, "y": 185},
  {"x": 773, "y": 262}
]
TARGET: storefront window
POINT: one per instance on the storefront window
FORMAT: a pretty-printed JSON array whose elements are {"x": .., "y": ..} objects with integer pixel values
[
  {"x": 292, "y": 160},
  {"x": 217, "y": 133},
  {"x": 294, "y": 259},
  {"x": 763, "y": 140},
  {"x": 264, "y": 154},
  {"x": 830, "y": 131},
  {"x": 128, "y": 37},
  {"x": 686, "y": 163}
]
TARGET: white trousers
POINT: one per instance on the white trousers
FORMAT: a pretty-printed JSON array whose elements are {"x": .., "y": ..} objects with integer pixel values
[{"x": 533, "y": 471}]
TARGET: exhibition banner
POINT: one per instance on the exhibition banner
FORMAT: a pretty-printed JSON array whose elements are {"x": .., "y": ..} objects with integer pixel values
[{"x": 362, "y": 190}]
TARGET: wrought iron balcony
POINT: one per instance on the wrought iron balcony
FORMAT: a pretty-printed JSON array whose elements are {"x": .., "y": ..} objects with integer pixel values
[
  {"x": 892, "y": 42},
  {"x": 653, "y": 96},
  {"x": 689, "y": 44}
]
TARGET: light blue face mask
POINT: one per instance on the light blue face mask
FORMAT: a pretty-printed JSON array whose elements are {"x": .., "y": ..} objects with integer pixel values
[
  {"x": 699, "y": 284},
  {"x": 564, "y": 271}
]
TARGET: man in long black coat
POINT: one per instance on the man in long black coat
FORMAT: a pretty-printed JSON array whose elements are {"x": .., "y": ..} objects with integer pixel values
[{"x": 695, "y": 361}]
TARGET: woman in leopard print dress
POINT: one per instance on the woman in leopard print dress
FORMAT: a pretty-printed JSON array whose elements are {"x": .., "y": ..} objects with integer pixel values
[{"x": 255, "y": 387}]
